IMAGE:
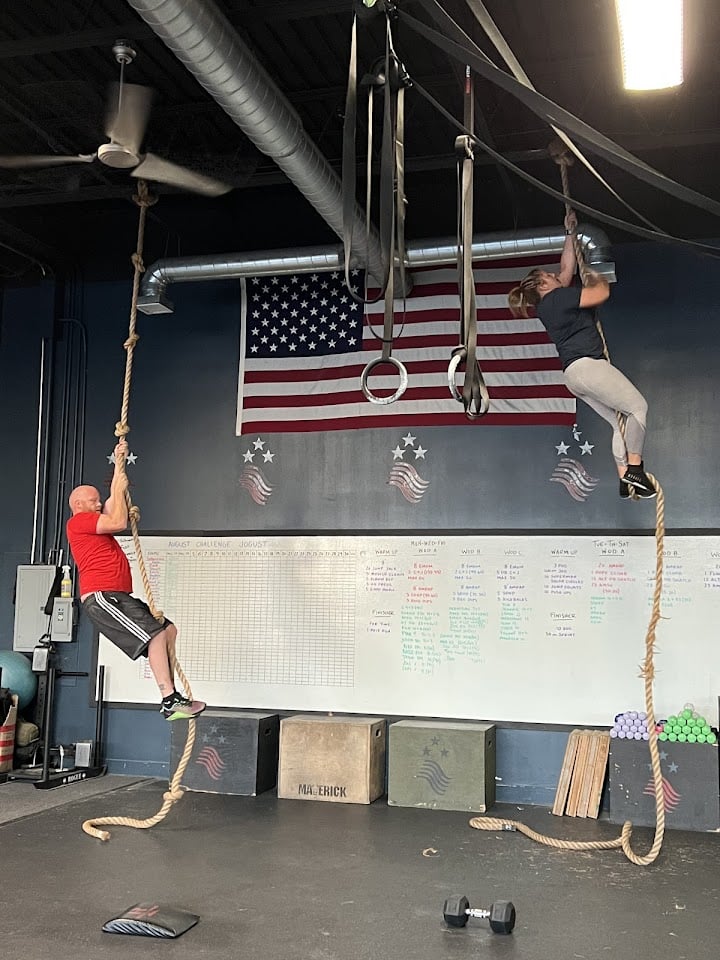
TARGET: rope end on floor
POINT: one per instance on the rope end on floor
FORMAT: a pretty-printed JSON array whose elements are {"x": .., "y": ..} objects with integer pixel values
[{"x": 92, "y": 831}]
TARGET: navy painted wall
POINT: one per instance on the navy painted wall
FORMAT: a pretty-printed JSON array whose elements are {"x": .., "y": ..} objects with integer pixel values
[{"x": 661, "y": 330}]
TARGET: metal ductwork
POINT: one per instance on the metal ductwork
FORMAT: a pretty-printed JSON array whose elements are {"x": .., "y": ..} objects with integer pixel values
[
  {"x": 211, "y": 49},
  {"x": 427, "y": 253}
]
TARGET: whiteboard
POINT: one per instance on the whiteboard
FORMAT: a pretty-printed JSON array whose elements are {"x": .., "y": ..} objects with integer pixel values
[{"x": 533, "y": 629}]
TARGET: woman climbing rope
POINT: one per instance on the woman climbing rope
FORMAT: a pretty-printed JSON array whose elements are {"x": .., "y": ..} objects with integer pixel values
[
  {"x": 106, "y": 586},
  {"x": 568, "y": 314}
]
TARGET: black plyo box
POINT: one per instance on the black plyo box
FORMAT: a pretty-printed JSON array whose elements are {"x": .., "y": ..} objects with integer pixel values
[
  {"x": 235, "y": 752},
  {"x": 691, "y": 784}
]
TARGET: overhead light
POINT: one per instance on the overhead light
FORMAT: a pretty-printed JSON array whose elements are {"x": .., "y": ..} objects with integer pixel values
[{"x": 651, "y": 43}]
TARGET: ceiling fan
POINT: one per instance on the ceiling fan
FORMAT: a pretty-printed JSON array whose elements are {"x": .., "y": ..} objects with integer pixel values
[{"x": 125, "y": 124}]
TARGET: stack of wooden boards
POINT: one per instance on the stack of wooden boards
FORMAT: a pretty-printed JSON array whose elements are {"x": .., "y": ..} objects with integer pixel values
[{"x": 582, "y": 776}]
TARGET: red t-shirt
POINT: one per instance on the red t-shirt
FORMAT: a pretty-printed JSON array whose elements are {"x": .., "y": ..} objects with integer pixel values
[{"x": 101, "y": 563}]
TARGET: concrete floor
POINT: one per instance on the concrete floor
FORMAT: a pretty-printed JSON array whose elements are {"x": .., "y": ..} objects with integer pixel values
[{"x": 284, "y": 879}]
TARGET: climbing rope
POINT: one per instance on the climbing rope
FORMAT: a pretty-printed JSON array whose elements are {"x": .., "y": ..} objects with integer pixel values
[
  {"x": 647, "y": 668},
  {"x": 144, "y": 200}
]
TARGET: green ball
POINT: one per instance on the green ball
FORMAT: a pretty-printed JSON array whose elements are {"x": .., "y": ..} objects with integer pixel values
[
  {"x": 685, "y": 728},
  {"x": 706, "y": 729},
  {"x": 672, "y": 720},
  {"x": 695, "y": 729},
  {"x": 701, "y": 738},
  {"x": 677, "y": 728},
  {"x": 692, "y": 738},
  {"x": 686, "y": 714},
  {"x": 710, "y": 738},
  {"x": 664, "y": 736},
  {"x": 682, "y": 737},
  {"x": 700, "y": 721},
  {"x": 672, "y": 737}
]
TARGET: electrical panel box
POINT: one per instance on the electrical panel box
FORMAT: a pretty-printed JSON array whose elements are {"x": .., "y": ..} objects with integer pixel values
[
  {"x": 61, "y": 622},
  {"x": 32, "y": 588}
]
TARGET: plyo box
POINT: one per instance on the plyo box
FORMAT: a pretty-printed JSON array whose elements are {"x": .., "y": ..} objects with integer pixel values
[
  {"x": 441, "y": 765},
  {"x": 334, "y": 759},
  {"x": 691, "y": 784},
  {"x": 235, "y": 752}
]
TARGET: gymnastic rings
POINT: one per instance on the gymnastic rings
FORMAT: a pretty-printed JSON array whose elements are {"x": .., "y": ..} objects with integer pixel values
[
  {"x": 402, "y": 372},
  {"x": 479, "y": 397}
]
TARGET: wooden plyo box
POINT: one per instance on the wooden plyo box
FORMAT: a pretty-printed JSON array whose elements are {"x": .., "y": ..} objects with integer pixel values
[
  {"x": 235, "y": 752},
  {"x": 335, "y": 759},
  {"x": 441, "y": 765}
]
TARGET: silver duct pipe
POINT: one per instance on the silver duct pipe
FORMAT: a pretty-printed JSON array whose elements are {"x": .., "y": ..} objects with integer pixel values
[
  {"x": 209, "y": 46},
  {"x": 425, "y": 253}
]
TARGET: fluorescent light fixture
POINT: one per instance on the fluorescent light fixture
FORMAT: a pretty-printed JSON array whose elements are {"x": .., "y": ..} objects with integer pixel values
[{"x": 651, "y": 43}]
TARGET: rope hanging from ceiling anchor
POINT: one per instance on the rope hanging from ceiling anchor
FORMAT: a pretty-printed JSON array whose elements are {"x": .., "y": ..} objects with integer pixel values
[
  {"x": 174, "y": 793},
  {"x": 647, "y": 668}
]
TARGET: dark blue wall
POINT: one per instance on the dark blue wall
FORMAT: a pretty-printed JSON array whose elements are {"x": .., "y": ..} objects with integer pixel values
[{"x": 661, "y": 330}]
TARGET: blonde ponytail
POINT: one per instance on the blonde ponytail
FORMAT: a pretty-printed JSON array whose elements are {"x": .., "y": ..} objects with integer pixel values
[
  {"x": 517, "y": 303},
  {"x": 525, "y": 295}
]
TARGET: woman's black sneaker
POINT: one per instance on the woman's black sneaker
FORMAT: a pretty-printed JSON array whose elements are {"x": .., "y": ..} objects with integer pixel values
[{"x": 636, "y": 478}]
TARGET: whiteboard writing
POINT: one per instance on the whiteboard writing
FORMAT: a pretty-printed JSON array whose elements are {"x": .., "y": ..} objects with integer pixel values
[{"x": 534, "y": 629}]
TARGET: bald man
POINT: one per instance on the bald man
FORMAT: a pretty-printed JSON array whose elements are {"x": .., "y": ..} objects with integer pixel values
[{"x": 106, "y": 587}]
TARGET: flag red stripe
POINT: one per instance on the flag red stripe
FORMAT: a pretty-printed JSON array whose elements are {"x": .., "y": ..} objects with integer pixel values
[
  {"x": 449, "y": 288},
  {"x": 367, "y": 422},
  {"x": 405, "y": 342},
  {"x": 446, "y": 313}
]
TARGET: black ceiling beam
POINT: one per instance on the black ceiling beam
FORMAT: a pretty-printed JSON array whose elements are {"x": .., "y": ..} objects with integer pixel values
[
  {"x": 136, "y": 30},
  {"x": 270, "y": 175},
  {"x": 79, "y": 40}
]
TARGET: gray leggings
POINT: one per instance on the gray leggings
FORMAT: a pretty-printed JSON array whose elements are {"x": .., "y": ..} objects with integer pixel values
[{"x": 601, "y": 386}]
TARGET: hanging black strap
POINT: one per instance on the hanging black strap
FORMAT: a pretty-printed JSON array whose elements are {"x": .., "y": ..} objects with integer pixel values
[
  {"x": 474, "y": 397},
  {"x": 391, "y": 77},
  {"x": 378, "y": 77}
]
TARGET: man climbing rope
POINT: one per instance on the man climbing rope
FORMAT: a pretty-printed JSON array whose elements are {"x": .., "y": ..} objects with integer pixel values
[
  {"x": 568, "y": 314},
  {"x": 106, "y": 586}
]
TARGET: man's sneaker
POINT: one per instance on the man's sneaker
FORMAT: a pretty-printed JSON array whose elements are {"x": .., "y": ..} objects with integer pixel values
[
  {"x": 636, "y": 478},
  {"x": 180, "y": 708},
  {"x": 624, "y": 490}
]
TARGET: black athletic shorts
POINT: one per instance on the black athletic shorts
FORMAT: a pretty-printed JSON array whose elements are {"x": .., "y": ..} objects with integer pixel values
[{"x": 124, "y": 620}]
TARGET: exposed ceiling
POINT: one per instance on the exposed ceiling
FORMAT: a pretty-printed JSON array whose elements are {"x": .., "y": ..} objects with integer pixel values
[{"x": 56, "y": 62}]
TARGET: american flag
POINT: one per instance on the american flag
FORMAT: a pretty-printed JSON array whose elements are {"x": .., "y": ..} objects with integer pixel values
[{"x": 305, "y": 343}]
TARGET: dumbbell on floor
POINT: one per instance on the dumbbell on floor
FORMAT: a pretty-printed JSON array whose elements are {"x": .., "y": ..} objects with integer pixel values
[{"x": 501, "y": 915}]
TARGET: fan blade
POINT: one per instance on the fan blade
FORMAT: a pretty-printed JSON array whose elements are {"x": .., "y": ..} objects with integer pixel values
[
  {"x": 36, "y": 162},
  {"x": 155, "y": 168},
  {"x": 127, "y": 114}
]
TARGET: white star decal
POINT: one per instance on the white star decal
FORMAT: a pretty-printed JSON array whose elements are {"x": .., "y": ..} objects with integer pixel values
[
  {"x": 258, "y": 444},
  {"x": 408, "y": 439},
  {"x": 561, "y": 448},
  {"x": 398, "y": 453},
  {"x": 131, "y": 457},
  {"x": 420, "y": 453},
  {"x": 248, "y": 456},
  {"x": 268, "y": 457},
  {"x": 586, "y": 448}
]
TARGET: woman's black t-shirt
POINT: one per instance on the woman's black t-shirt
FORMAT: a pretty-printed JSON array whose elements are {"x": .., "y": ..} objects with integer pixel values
[{"x": 571, "y": 328}]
